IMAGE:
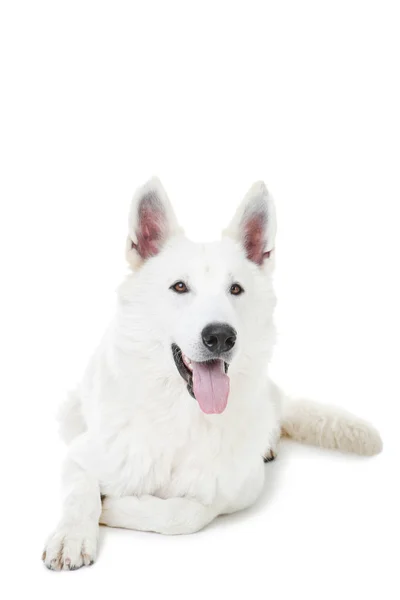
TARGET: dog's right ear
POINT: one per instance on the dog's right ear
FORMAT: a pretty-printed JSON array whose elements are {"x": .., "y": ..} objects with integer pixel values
[{"x": 151, "y": 222}]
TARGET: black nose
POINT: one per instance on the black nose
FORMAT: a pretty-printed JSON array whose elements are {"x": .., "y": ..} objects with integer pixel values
[{"x": 218, "y": 337}]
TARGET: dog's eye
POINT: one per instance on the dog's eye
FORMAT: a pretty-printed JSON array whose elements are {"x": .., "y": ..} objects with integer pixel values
[
  {"x": 179, "y": 287},
  {"x": 236, "y": 289}
]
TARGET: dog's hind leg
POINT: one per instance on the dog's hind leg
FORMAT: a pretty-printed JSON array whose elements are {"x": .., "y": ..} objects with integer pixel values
[
  {"x": 271, "y": 451},
  {"x": 171, "y": 516},
  {"x": 274, "y": 434}
]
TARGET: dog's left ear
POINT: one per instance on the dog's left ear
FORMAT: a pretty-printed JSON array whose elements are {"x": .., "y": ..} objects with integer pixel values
[
  {"x": 254, "y": 224},
  {"x": 152, "y": 222}
]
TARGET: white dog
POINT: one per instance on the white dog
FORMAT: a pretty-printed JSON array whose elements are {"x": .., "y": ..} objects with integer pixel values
[{"x": 175, "y": 412}]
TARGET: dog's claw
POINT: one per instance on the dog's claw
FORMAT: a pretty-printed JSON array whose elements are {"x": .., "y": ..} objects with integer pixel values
[{"x": 269, "y": 456}]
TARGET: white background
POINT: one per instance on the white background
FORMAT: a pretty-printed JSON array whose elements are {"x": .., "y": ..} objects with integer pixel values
[{"x": 96, "y": 97}]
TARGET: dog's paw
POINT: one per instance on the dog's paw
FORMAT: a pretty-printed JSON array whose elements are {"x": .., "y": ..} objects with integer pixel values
[
  {"x": 71, "y": 547},
  {"x": 269, "y": 456}
]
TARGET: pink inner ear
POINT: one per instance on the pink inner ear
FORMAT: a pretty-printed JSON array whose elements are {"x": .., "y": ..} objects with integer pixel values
[
  {"x": 152, "y": 229},
  {"x": 254, "y": 238}
]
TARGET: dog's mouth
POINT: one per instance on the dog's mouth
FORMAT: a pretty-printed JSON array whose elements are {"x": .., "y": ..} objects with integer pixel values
[{"x": 206, "y": 381}]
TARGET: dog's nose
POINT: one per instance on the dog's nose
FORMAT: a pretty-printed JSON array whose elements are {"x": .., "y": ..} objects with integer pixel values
[{"x": 218, "y": 337}]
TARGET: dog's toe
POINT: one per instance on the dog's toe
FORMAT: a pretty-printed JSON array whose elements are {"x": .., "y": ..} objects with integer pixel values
[{"x": 70, "y": 548}]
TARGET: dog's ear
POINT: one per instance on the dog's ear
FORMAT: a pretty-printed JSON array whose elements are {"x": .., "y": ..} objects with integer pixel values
[
  {"x": 254, "y": 224},
  {"x": 151, "y": 222}
]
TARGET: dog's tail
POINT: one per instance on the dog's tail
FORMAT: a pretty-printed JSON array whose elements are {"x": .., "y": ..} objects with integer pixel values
[{"x": 328, "y": 427}]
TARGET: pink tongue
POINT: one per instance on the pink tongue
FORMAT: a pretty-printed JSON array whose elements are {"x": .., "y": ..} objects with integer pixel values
[{"x": 211, "y": 386}]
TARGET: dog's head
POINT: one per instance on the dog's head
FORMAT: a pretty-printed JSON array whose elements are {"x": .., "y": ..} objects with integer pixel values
[{"x": 202, "y": 310}]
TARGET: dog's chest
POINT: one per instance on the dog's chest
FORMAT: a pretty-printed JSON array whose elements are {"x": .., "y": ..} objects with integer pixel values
[
  {"x": 214, "y": 468},
  {"x": 183, "y": 454}
]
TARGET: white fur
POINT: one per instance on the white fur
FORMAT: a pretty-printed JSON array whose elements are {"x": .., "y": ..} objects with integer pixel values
[{"x": 137, "y": 437}]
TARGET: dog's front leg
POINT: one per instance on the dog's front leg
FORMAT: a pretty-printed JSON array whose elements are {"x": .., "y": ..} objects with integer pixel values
[
  {"x": 148, "y": 513},
  {"x": 73, "y": 544}
]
